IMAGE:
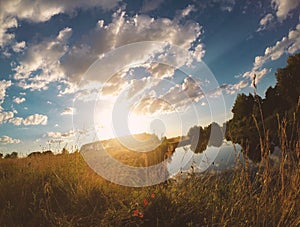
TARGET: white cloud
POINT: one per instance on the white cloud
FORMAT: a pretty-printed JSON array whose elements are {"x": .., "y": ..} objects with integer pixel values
[
  {"x": 265, "y": 22},
  {"x": 287, "y": 45},
  {"x": 43, "y": 59},
  {"x": 125, "y": 30},
  {"x": 53, "y": 60},
  {"x": 40, "y": 11},
  {"x": 185, "y": 12},
  {"x": 284, "y": 7},
  {"x": 18, "y": 47},
  {"x": 35, "y": 119},
  {"x": 233, "y": 88},
  {"x": 160, "y": 71},
  {"x": 68, "y": 111},
  {"x": 178, "y": 98},
  {"x": 115, "y": 84},
  {"x": 199, "y": 52},
  {"x": 8, "y": 140},
  {"x": 19, "y": 100},
  {"x": 4, "y": 116},
  {"x": 16, "y": 121},
  {"x": 60, "y": 135},
  {"x": 4, "y": 84},
  {"x": 5, "y": 24}
]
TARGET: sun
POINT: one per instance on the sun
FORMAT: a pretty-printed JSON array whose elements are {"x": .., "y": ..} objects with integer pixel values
[{"x": 119, "y": 119}]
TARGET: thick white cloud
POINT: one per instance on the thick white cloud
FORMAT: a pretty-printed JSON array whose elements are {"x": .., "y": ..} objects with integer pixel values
[
  {"x": 40, "y": 11},
  {"x": 4, "y": 84},
  {"x": 5, "y": 116},
  {"x": 265, "y": 22},
  {"x": 53, "y": 60},
  {"x": 35, "y": 119},
  {"x": 43, "y": 59},
  {"x": 126, "y": 30},
  {"x": 19, "y": 100},
  {"x": 283, "y": 7},
  {"x": 8, "y": 140}
]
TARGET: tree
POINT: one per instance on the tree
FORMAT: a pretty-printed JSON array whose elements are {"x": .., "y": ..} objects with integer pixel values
[
  {"x": 288, "y": 81},
  {"x": 281, "y": 99},
  {"x": 216, "y": 135},
  {"x": 12, "y": 155},
  {"x": 241, "y": 128},
  {"x": 200, "y": 138}
]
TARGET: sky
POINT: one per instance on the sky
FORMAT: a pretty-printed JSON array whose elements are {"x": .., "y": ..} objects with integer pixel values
[{"x": 73, "y": 72}]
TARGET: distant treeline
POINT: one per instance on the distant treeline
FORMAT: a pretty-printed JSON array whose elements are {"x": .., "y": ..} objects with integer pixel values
[{"x": 15, "y": 154}]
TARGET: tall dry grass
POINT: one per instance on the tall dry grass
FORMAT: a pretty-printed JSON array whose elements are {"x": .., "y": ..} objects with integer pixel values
[{"x": 62, "y": 190}]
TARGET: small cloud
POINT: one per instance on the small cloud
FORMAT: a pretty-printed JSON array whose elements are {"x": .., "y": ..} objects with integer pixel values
[
  {"x": 19, "y": 100},
  {"x": 19, "y": 47},
  {"x": 199, "y": 52},
  {"x": 4, "y": 84},
  {"x": 36, "y": 119},
  {"x": 4, "y": 116},
  {"x": 8, "y": 140},
  {"x": 265, "y": 22},
  {"x": 68, "y": 111},
  {"x": 61, "y": 135},
  {"x": 186, "y": 11}
]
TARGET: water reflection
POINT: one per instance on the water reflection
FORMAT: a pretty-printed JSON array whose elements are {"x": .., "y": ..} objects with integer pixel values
[{"x": 212, "y": 159}]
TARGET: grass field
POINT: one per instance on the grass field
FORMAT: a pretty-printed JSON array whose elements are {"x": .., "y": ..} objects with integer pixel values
[{"x": 62, "y": 190}]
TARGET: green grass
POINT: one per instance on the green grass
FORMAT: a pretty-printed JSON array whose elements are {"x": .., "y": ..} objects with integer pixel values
[{"x": 62, "y": 190}]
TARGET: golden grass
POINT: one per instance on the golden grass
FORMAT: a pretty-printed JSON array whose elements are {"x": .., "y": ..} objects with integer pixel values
[{"x": 63, "y": 191}]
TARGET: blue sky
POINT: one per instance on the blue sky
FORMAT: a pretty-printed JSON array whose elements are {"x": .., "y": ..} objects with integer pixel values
[{"x": 77, "y": 71}]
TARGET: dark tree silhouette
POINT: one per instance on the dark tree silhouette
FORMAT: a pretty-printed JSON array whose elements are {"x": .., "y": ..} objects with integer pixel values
[
  {"x": 200, "y": 138},
  {"x": 280, "y": 100},
  {"x": 12, "y": 155}
]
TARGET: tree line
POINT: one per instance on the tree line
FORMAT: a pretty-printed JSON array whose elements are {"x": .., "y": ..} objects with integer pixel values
[{"x": 258, "y": 121}]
